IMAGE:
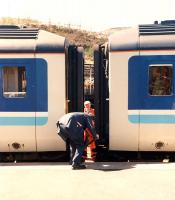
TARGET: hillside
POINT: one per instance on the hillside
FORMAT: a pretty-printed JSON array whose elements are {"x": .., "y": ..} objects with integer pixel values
[{"x": 75, "y": 36}]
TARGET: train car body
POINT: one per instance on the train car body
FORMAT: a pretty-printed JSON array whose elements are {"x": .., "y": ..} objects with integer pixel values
[
  {"x": 141, "y": 65},
  {"x": 34, "y": 71}
]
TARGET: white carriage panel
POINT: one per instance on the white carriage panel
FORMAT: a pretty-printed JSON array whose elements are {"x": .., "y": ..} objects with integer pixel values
[
  {"x": 22, "y": 135},
  {"x": 17, "y": 55},
  {"x": 156, "y": 136},
  {"x": 157, "y": 52},
  {"x": 47, "y": 138},
  {"x": 14, "y": 45},
  {"x": 123, "y": 135}
]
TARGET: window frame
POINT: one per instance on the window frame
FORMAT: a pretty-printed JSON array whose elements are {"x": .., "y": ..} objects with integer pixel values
[
  {"x": 12, "y": 94},
  {"x": 171, "y": 81}
]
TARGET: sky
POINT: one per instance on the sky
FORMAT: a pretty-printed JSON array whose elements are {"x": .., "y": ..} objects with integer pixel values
[{"x": 92, "y": 15}]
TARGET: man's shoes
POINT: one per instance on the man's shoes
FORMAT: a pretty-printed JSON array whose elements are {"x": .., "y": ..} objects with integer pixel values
[{"x": 75, "y": 167}]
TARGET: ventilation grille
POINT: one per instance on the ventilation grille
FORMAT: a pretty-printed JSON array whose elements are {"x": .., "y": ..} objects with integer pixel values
[
  {"x": 15, "y": 32},
  {"x": 157, "y": 29}
]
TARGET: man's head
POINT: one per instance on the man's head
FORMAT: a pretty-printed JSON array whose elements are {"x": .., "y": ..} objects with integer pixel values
[{"x": 87, "y": 104}]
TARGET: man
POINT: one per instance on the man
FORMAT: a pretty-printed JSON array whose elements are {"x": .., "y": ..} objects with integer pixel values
[
  {"x": 92, "y": 146},
  {"x": 71, "y": 127},
  {"x": 88, "y": 109}
]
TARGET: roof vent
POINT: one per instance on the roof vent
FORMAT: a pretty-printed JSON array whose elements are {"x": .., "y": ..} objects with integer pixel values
[
  {"x": 156, "y": 22},
  {"x": 15, "y": 32},
  {"x": 9, "y": 27},
  {"x": 168, "y": 22}
]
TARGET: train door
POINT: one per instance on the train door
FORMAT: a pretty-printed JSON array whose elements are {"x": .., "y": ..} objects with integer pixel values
[
  {"x": 75, "y": 79},
  {"x": 101, "y": 93},
  {"x": 154, "y": 89},
  {"x": 17, "y": 105},
  {"x": 157, "y": 120}
]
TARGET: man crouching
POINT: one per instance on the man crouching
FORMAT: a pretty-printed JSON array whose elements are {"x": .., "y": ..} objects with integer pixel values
[{"x": 71, "y": 127}]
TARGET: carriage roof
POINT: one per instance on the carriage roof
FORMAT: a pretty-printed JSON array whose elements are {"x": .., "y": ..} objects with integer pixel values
[
  {"x": 144, "y": 37},
  {"x": 14, "y": 39}
]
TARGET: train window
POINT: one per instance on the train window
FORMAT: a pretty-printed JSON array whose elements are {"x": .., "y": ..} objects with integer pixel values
[
  {"x": 160, "y": 79},
  {"x": 14, "y": 82}
]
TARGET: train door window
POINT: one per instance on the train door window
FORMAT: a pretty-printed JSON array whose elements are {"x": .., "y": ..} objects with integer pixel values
[
  {"x": 160, "y": 79},
  {"x": 14, "y": 82}
]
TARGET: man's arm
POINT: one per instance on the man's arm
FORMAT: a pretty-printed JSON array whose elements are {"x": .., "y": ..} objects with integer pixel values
[{"x": 90, "y": 126}]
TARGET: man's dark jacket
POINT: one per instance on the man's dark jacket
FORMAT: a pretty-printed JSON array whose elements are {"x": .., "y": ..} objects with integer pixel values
[{"x": 72, "y": 126}]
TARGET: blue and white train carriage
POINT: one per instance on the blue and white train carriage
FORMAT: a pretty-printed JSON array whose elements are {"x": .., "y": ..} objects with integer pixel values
[
  {"x": 141, "y": 95},
  {"x": 38, "y": 81}
]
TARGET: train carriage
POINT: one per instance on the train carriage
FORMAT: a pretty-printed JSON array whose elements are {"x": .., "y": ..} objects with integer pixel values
[
  {"x": 41, "y": 78},
  {"x": 140, "y": 81},
  {"x": 37, "y": 87}
]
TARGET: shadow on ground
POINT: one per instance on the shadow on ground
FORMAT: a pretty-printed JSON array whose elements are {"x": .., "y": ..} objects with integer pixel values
[{"x": 110, "y": 166}]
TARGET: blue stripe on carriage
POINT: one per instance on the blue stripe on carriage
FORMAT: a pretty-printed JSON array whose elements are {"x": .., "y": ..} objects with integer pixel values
[
  {"x": 23, "y": 121},
  {"x": 152, "y": 119}
]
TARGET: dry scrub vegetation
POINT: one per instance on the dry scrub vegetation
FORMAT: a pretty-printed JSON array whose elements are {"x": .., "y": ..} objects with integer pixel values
[{"x": 78, "y": 37}]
